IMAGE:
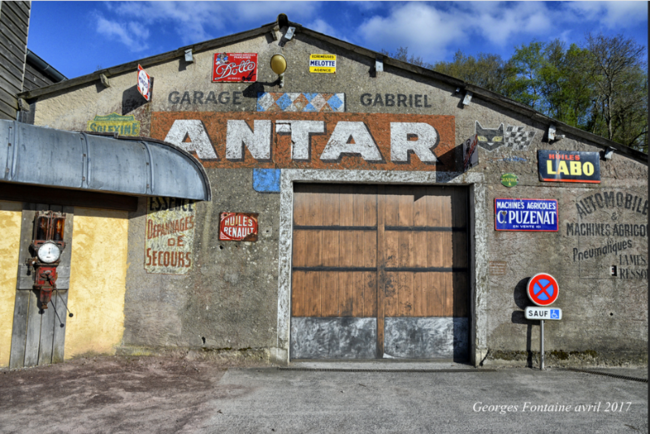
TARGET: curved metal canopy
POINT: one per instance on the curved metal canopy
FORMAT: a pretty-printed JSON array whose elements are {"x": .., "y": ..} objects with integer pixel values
[{"x": 86, "y": 161}]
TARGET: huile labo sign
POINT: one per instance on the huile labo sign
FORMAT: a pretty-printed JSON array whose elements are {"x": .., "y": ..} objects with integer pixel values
[{"x": 569, "y": 166}]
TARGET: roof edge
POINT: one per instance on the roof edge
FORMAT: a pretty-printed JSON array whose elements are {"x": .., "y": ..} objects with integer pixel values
[
  {"x": 484, "y": 94},
  {"x": 190, "y": 157},
  {"x": 44, "y": 68},
  {"x": 146, "y": 62}
]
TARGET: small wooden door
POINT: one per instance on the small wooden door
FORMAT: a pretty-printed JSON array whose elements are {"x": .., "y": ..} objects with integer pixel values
[
  {"x": 38, "y": 335},
  {"x": 379, "y": 272}
]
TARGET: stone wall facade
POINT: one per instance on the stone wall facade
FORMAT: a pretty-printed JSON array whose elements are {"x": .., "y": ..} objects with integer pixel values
[{"x": 237, "y": 294}]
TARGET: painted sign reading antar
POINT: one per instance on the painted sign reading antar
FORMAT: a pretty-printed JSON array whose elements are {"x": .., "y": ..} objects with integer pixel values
[
  {"x": 360, "y": 141},
  {"x": 236, "y": 226},
  {"x": 569, "y": 166},
  {"x": 542, "y": 289},
  {"x": 526, "y": 215},
  {"x": 234, "y": 67}
]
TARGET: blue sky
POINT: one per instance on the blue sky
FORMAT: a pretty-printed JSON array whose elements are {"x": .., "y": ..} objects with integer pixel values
[{"x": 78, "y": 38}]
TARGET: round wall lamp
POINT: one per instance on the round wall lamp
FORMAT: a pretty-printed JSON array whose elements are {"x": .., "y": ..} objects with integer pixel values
[{"x": 279, "y": 65}]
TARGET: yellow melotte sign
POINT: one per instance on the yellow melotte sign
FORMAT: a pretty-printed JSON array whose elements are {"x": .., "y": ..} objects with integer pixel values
[{"x": 322, "y": 63}]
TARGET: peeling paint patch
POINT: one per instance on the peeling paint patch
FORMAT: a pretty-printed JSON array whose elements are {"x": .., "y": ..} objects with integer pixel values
[
  {"x": 170, "y": 235},
  {"x": 427, "y": 338},
  {"x": 114, "y": 123},
  {"x": 333, "y": 338}
]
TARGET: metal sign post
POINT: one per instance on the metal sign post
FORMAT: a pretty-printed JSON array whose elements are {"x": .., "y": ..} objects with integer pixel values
[
  {"x": 541, "y": 345},
  {"x": 543, "y": 290},
  {"x": 542, "y": 314}
]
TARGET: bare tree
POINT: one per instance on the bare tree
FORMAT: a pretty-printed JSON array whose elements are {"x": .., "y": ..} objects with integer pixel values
[
  {"x": 402, "y": 54},
  {"x": 620, "y": 79}
]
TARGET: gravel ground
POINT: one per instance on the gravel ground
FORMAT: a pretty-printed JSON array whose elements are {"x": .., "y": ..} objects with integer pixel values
[{"x": 178, "y": 394}]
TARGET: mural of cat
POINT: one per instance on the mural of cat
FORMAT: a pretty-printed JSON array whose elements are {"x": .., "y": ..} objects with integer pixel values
[
  {"x": 489, "y": 138},
  {"x": 513, "y": 137}
]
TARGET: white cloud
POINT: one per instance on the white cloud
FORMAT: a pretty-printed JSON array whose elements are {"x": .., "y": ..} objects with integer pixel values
[
  {"x": 423, "y": 29},
  {"x": 432, "y": 30},
  {"x": 612, "y": 14},
  {"x": 322, "y": 27},
  {"x": 501, "y": 23},
  {"x": 130, "y": 34},
  {"x": 200, "y": 21}
]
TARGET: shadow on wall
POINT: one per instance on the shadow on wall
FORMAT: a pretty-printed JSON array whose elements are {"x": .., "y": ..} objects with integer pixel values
[
  {"x": 451, "y": 162},
  {"x": 518, "y": 317},
  {"x": 132, "y": 99}
]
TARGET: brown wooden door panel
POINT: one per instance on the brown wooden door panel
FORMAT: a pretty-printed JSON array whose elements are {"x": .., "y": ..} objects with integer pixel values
[
  {"x": 334, "y": 294},
  {"x": 380, "y": 251},
  {"x": 331, "y": 242},
  {"x": 329, "y": 296},
  {"x": 298, "y": 288}
]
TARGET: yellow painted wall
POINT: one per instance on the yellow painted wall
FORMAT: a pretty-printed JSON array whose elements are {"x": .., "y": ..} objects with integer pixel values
[
  {"x": 10, "y": 216},
  {"x": 97, "y": 281}
]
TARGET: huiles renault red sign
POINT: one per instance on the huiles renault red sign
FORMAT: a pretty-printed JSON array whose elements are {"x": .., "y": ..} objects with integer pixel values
[
  {"x": 236, "y": 226},
  {"x": 234, "y": 67}
]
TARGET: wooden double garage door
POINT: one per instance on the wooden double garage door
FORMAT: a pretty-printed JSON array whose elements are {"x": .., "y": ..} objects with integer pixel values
[{"x": 380, "y": 272}]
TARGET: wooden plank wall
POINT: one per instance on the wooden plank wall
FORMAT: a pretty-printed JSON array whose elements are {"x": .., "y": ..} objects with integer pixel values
[
  {"x": 380, "y": 252},
  {"x": 422, "y": 237},
  {"x": 34, "y": 78},
  {"x": 426, "y": 252},
  {"x": 38, "y": 335},
  {"x": 14, "y": 26},
  {"x": 335, "y": 252}
]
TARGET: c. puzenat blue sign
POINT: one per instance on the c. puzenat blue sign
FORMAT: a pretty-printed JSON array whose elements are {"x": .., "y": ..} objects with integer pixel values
[{"x": 526, "y": 215}]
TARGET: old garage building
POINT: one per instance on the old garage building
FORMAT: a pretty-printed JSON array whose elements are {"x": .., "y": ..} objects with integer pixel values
[{"x": 357, "y": 207}]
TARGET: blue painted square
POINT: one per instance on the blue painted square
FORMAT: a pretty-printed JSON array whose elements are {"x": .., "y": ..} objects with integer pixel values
[
  {"x": 309, "y": 108},
  {"x": 335, "y": 102},
  {"x": 284, "y": 101},
  {"x": 310, "y": 96},
  {"x": 266, "y": 180}
]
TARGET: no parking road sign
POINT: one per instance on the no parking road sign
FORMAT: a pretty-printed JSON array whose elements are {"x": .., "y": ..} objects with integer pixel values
[{"x": 543, "y": 289}]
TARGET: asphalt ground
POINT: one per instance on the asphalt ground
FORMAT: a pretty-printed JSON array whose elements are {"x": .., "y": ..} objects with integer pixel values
[{"x": 159, "y": 395}]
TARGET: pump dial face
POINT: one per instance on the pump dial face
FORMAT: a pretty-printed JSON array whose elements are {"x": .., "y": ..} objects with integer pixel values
[{"x": 49, "y": 252}]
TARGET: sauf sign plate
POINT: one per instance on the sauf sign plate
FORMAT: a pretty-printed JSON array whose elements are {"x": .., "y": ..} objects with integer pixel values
[
  {"x": 236, "y": 226},
  {"x": 234, "y": 67},
  {"x": 526, "y": 215},
  {"x": 543, "y": 313}
]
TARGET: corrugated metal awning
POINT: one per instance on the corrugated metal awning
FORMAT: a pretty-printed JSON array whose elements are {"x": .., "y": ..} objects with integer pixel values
[{"x": 88, "y": 161}]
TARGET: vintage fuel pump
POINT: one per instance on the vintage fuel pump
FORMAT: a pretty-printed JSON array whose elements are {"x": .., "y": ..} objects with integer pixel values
[{"x": 46, "y": 247}]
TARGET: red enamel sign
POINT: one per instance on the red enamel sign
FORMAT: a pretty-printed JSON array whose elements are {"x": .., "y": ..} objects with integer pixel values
[
  {"x": 543, "y": 289},
  {"x": 234, "y": 67},
  {"x": 144, "y": 83},
  {"x": 236, "y": 226}
]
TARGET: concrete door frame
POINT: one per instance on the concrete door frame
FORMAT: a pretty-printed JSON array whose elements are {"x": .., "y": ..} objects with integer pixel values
[{"x": 478, "y": 221}]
